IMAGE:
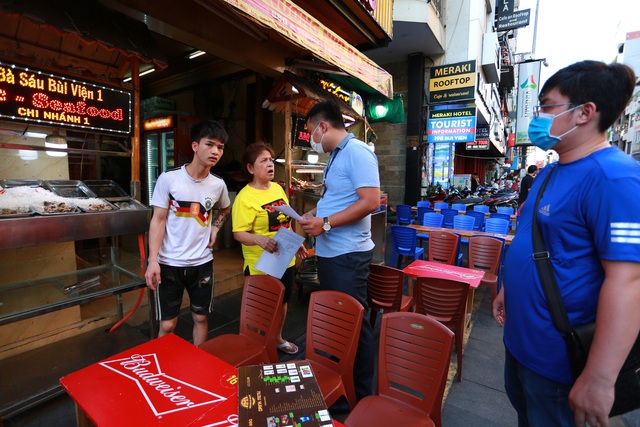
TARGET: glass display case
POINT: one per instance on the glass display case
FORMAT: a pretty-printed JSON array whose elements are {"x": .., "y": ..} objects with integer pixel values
[{"x": 104, "y": 271}]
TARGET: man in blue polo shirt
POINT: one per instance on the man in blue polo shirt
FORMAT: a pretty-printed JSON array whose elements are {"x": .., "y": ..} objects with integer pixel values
[
  {"x": 590, "y": 225},
  {"x": 342, "y": 222}
]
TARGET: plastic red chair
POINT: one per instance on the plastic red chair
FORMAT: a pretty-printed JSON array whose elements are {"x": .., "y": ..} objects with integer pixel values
[
  {"x": 260, "y": 316},
  {"x": 413, "y": 366},
  {"x": 333, "y": 329},
  {"x": 384, "y": 291},
  {"x": 485, "y": 253},
  {"x": 444, "y": 247},
  {"x": 445, "y": 301}
]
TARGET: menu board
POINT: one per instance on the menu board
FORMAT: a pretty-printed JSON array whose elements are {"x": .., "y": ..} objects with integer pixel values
[
  {"x": 31, "y": 95},
  {"x": 279, "y": 395}
]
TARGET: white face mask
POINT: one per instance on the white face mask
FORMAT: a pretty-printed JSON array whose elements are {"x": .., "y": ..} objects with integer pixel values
[{"x": 316, "y": 146}]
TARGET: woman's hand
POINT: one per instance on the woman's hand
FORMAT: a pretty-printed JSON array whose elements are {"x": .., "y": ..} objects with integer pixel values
[
  {"x": 266, "y": 243},
  {"x": 302, "y": 252}
]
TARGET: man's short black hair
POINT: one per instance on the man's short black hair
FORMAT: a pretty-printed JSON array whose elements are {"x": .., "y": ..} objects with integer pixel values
[
  {"x": 532, "y": 169},
  {"x": 609, "y": 86},
  {"x": 327, "y": 111},
  {"x": 209, "y": 129}
]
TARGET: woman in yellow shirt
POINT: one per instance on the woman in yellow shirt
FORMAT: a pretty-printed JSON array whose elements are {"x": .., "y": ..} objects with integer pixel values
[{"x": 255, "y": 222}]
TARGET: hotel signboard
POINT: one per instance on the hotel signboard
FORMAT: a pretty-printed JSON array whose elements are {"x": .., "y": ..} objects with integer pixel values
[{"x": 452, "y": 125}]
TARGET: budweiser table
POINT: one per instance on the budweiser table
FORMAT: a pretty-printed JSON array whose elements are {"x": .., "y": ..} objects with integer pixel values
[{"x": 164, "y": 382}]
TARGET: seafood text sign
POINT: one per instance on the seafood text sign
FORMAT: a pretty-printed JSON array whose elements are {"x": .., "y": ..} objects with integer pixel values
[{"x": 35, "y": 96}]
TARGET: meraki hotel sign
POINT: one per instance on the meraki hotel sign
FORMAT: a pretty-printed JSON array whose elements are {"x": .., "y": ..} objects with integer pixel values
[{"x": 35, "y": 96}]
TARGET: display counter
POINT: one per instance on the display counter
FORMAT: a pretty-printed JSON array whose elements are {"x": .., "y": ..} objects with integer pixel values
[
  {"x": 305, "y": 200},
  {"x": 108, "y": 271}
]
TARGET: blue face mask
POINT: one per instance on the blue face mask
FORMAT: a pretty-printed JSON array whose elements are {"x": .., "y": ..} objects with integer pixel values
[{"x": 540, "y": 130}]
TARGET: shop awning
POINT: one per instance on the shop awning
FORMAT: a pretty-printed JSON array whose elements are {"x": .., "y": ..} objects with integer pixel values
[
  {"x": 303, "y": 95},
  {"x": 77, "y": 32},
  {"x": 302, "y": 29}
]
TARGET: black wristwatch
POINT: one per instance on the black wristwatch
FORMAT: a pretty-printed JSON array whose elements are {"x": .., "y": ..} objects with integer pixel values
[{"x": 327, "y": 225}]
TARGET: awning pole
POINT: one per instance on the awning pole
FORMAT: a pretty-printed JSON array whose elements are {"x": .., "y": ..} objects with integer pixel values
[
  {"x": 287, "y": 144},
  {"x": 135, "y": 186}
]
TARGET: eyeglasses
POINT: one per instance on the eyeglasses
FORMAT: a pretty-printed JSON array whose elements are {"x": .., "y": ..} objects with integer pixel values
[{"x": 538, "y": 108}]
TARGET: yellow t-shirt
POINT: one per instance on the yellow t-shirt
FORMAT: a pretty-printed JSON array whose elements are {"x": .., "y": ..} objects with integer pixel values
[{"x": 251, "y": 212}]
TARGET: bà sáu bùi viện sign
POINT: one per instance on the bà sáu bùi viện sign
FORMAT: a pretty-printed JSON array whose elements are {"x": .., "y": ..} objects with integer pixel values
[{"x": 35, "y": 96}]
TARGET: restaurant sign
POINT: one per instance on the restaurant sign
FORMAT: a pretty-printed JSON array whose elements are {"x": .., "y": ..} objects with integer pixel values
[
  {"x": 30, "y": 95},
  {"x": 452, "y": 125},
  {"x": 453, "y": 82}
]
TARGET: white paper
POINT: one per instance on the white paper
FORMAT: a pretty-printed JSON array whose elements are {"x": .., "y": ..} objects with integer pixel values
[
  {"x": 287, "y": 210},
  {"x": 275, "y": 264}
]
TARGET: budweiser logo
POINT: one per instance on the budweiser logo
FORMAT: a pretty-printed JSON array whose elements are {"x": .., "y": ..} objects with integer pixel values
[{"x": 164, "y": 393}]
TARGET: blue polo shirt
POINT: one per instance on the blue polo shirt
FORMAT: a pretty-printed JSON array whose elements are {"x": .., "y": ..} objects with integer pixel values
[
  {"x": 589, "y": 212},
  {"x": 352, "y": 165}
]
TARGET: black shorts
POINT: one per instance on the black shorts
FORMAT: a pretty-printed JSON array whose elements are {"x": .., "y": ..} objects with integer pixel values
[
  {"x": 287, "y": 280},
  {"x": 198, "y": 281}
]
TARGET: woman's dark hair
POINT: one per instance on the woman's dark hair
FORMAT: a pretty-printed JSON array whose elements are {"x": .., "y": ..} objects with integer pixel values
[
  {"x": 209, "y": 129},
  {"x": 326, "y": 111},
  {"x": 610, "y": 87},
  {"x": 252, "y": 152}
]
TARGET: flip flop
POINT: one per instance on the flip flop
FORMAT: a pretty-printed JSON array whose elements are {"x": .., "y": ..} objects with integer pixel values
[{"x": 288, "y": 347}]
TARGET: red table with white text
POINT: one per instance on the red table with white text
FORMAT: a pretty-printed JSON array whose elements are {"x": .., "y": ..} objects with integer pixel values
[
  {"x": 164, "y": 382},
  {"x": 420, "y": 268}
]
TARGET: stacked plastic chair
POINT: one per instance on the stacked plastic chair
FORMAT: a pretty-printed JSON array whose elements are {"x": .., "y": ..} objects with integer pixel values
[
  {"x": 481, "y": 208},
  {"x": 404, "y": 215}
]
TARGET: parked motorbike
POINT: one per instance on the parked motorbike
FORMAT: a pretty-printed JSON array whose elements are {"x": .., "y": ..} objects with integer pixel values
[{"x": 502, "y": 198}]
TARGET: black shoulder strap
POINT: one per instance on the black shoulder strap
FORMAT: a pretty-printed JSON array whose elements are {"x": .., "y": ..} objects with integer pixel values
[{"x": 545, "y": 269}]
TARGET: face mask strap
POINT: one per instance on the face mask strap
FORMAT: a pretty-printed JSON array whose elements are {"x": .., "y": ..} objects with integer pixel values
[{"x": 573, "y": 128}]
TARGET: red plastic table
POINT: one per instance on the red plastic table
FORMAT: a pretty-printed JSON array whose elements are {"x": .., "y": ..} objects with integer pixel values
[
  {"x": 164, "y": 382},
  {"x": 420, "y": 268}
]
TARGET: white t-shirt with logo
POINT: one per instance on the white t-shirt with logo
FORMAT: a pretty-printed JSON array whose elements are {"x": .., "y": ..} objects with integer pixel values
[{"x": 190, "y": 203}]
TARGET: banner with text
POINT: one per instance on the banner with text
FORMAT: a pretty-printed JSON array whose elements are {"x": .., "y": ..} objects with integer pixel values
[
  {"x": 513, "y": 20},
  {"x": 528, "y": 87},
  {"x": 452, "y": 125},
  {"x": 30, "y": 95},
  {"x": 482, "y": 139},
  {"x": 453, "y": 82}
]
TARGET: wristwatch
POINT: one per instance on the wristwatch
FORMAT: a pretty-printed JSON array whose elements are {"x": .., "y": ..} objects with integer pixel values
[{"x": 327, "y": 225}]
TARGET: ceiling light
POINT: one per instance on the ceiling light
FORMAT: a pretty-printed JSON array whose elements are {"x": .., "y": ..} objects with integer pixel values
[
  {"x": 55, "y": 140},
  {"x": 310, "y": 170},
  {"x": 196, "y": 54},
  {"x": 35, "y": 134},
  {"x": 150, "y": 70}
]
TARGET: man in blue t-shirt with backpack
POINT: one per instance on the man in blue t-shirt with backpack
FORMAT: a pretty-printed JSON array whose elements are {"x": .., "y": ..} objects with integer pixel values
[{"x": 590, "y": 223}]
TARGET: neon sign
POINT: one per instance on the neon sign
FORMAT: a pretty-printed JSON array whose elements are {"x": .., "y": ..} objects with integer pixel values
[
  {"x": 336, "y": 90},
  {"x": 34, "y": 96}
]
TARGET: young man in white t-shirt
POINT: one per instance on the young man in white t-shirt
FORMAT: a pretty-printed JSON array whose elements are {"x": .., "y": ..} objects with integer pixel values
[{"x": 182, "y": 232}]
